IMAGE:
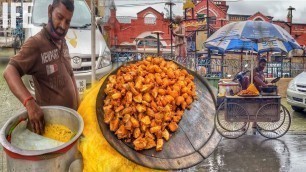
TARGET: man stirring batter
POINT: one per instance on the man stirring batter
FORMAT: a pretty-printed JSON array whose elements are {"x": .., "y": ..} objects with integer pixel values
[{"x": 45, "y": 56}]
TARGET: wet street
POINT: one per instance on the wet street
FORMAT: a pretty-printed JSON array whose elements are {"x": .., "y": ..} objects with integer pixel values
[
  {"x": 246, "y": 154},
  {"x": 255, "y": 153}
]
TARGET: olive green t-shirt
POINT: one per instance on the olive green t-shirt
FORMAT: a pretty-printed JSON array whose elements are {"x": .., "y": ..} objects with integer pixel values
[{"x": 51, "y": 70}]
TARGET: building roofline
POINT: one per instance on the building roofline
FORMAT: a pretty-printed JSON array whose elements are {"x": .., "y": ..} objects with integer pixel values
[
  {"x": 212, "y": 1},
  {"x": 245, "y": 15},
  {"x": 239, "y": 15},
  {"x": 299, "y": 23},
  {"x": 150, "y": 8},
  {"x": 260, "y": 13},
  {"x": 279, "y": 21},
  {"x": 282, "y": 21},
  {"x": 225, "y": 12}
]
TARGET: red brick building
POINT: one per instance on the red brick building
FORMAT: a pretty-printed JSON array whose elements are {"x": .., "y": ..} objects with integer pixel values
[{"x": 130, "y": 32}]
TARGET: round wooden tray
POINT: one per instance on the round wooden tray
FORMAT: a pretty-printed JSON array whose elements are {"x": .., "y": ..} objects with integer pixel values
[{"x": 195, "y": 139}]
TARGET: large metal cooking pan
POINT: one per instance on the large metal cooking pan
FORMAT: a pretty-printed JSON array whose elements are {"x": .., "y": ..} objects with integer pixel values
[{"x": 195, "y": 139}]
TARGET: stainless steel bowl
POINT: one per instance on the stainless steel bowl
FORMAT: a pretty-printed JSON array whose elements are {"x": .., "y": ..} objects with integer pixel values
[{"x": 55, "y": 159}]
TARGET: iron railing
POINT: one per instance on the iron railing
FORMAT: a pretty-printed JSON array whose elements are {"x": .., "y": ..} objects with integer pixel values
[{"x": 216, "y": 67}]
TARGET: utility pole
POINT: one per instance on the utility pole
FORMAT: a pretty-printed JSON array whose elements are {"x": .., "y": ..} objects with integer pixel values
[
  {"x": 170, "y": 3},
  {"x": 93, "y": 42},
  {"x": 207, "y": 16},
  {"x": 289, "y": 16},
  {"x": 222, "y": 56},
  {"x": 208, "y": 32},
  {"x": 158, "y": 33}
]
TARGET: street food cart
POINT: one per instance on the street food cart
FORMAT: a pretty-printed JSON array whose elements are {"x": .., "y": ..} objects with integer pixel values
[{"x": 235, "y": 113}]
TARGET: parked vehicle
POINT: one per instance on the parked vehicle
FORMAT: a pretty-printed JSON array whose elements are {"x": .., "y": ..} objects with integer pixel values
[
  {"x": 296, "y": 92},
  {"x": 78, "y": 40}
]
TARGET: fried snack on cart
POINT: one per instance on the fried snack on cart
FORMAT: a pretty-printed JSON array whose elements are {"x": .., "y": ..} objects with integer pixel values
[
  {"x": 247, "y": 93},
  {"x": 253, "y": 88},
  {"x": 146, "y": 100}
]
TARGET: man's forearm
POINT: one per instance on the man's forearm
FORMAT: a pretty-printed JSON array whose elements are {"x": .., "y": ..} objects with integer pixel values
[
  {"x": 258, "y": 80},
  {"x": 15, "y": 83}
]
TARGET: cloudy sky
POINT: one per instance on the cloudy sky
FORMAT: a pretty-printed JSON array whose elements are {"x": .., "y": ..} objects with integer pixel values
[{"x": 275, "y": 8}]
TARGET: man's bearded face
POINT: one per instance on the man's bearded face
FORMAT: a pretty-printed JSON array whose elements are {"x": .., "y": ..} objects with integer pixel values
[
  {"x": 59, "y": 19},
  {"x": 262, "y": 65}
]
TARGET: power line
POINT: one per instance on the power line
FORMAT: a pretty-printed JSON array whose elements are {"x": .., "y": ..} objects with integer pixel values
[
  {"x": 144, "y": 4},
  {"x": 164, "y": 1},
  {"x": 141, "y": 4},
  {"x": 136, "y": 17}
]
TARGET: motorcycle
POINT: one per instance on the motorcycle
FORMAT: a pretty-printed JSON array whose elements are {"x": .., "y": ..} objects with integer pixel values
[
  {"x": 242, "y": 78},
  {"x": 230, "y": 88},
  {"x": 240, "y": 81}
]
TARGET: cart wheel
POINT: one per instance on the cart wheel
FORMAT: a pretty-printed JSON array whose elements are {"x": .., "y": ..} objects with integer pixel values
[
  {"x": 235, "y": 112},
  {"x": 230, "y": 130},
  {"x": 277, "y": 129},
  {"x": 267, "y": 110}
]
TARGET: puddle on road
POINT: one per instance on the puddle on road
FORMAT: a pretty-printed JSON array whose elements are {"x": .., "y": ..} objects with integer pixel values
[
  {"x": 249, "y": 153},
  {"x": 255, "y": 153}
]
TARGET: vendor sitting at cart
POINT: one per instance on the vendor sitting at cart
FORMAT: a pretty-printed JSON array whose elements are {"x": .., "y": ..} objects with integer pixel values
[{"x": 259, "y": 77}]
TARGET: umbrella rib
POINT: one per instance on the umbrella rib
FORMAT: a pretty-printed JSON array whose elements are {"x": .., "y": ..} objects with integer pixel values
[{"x": 226, "y": 33}]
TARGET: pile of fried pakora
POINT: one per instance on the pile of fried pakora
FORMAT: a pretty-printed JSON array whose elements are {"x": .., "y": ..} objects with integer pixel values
[
  {"x": 247, "y": 93},
  {"x": 146, "y": 100}
]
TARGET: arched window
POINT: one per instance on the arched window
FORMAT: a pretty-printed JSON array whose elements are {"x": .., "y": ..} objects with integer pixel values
[
  {"x": 258, "y": 19},
  {"x": 150, "y": 19}
]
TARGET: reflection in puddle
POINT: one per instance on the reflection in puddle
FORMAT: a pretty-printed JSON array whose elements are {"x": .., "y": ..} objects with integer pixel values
[{"x": 248, "y": 153}]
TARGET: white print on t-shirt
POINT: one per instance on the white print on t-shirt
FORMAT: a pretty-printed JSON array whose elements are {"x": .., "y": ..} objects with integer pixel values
[
  {"x": 51, "y": 69},
  {"x": 66, "y": 53},
  {"x": 49, "y": 56}
]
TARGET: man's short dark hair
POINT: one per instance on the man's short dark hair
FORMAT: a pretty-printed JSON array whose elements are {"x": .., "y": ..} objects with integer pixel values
[
  {"x": 69, "y": 4},
  {"x": 262, "y": 60},
  {"x": 178, "y": 19}
]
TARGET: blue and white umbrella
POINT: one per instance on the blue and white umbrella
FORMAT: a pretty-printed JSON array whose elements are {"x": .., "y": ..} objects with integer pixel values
[{"x": 259, "y": 36}]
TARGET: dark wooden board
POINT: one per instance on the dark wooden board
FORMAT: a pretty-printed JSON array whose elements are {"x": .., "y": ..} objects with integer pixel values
[{"x": 194, "y": 141}]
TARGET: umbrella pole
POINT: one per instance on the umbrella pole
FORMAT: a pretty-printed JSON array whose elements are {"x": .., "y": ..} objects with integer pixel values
[
  {"x": 252, "y": 62},
  {"x": 241, "y": 59},
  {"x": 252, "y": 71}
]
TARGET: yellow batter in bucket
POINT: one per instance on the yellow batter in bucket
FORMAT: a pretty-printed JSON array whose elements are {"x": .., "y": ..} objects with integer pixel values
[{"x": 58, "y": 132}]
